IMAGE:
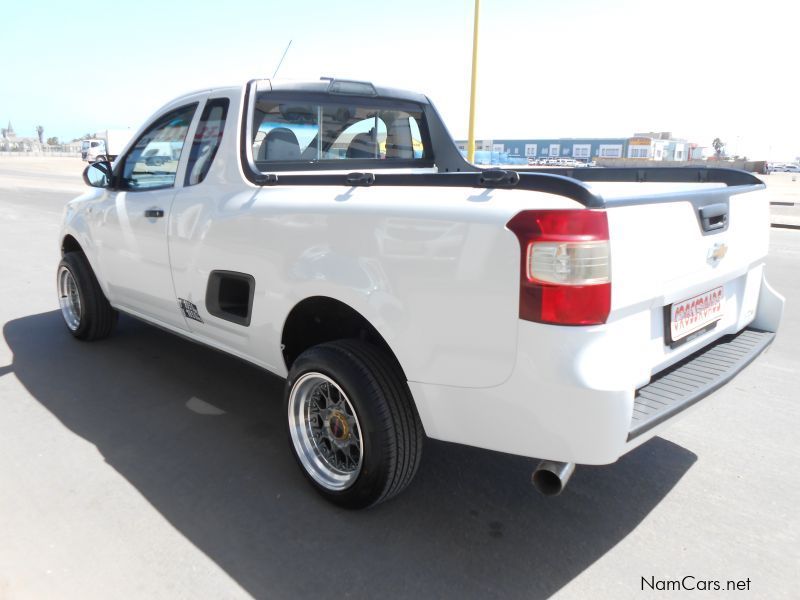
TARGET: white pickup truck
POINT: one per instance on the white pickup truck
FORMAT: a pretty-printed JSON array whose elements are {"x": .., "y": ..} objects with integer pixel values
[{"x": 331, "y": 233}]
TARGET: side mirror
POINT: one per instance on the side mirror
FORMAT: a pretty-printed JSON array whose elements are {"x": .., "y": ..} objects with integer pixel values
[{"x": 98, "y": 174}]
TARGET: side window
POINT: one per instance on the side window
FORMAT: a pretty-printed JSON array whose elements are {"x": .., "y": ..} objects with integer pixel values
[
  {"x": 153, "y": 161},
  {"x": 207, "y": 139}
]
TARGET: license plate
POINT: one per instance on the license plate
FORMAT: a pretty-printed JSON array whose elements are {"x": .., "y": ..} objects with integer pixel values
[{"x": 695, "y": 314}]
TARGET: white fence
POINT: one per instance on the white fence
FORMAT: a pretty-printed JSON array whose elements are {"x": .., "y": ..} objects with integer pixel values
[{"x": 45, "y": 151}]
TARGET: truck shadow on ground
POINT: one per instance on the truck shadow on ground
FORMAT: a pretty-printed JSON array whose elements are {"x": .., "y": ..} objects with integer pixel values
[{"x": 470, "y": 525}]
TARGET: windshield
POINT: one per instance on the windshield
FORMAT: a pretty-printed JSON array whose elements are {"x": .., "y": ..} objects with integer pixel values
[{"x": 288, "y": 130}]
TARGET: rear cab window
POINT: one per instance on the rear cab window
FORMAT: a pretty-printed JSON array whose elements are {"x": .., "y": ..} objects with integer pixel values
[{"x": 319, "y": 131}]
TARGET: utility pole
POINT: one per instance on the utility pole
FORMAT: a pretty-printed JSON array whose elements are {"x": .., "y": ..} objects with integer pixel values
[{"x": 471, "y": 137}]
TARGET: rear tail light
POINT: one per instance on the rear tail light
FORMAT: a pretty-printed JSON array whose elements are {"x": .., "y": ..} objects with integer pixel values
[{"x": 565, "y": 270}]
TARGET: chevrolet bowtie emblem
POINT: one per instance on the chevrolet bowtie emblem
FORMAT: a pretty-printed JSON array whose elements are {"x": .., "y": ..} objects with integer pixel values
[{"x": 716, "y": 253}]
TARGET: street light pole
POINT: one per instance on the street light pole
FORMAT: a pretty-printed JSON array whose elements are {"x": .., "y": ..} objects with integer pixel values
[{"x": 471, "y": 137}]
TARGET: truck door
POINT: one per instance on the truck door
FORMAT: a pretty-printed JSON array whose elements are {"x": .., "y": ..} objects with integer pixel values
[{"x": 130, "y": 224}]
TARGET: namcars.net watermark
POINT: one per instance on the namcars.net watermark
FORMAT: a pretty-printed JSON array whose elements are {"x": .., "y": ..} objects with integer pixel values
[{"x": 690, "y": 583}]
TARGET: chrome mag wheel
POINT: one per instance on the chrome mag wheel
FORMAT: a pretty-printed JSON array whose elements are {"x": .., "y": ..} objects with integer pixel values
[
  {"x": 69, "y": 298},
  {"x": 325, "y": 431}
]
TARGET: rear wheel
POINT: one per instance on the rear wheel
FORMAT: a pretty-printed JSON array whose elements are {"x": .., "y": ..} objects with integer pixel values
[
  {"x": 85, "y": 309},
  {"x": 353, "y": 426}
]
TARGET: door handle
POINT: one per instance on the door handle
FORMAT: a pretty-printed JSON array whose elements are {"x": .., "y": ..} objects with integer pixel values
[
  {"x": 366, "y": 179},
  {"x": 714, "y": 216},
  {"x": 154, "y": 213}
]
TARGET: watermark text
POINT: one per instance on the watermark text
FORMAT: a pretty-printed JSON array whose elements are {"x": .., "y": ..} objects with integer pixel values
[{"x": 691, "y": 583}]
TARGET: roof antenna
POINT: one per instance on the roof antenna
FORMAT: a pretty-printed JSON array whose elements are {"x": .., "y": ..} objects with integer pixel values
[{"x": 280, "y": 62}]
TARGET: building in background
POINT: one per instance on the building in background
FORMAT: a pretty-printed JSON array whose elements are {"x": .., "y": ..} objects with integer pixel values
[
  {"x": 11, "y": 142},
  {"x": 658, "y": 146},
  {"x": 698, "y": 152},
  {"x": 654, "y": 146}
]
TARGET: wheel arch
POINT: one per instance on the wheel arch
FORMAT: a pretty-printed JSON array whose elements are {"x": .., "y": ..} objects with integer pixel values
[
  {"x": 72, "y": 240},
  {"x": 70, "y": 244},
  {"x": 319, "y": 319}
]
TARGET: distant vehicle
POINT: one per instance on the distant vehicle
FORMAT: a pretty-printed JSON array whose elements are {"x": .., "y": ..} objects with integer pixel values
[
  {"x": 552, "y": 161},
  {"x": 158, "y": 153},
  {"x": 93, "y": 147},
  {"x": 783, "y": 168},
  {"x": 106, "y": 145},
  {"x": 561, "y": 161}
]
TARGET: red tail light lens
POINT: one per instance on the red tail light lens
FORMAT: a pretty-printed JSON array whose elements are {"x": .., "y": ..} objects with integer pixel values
[{"x": 565, "y": 266}]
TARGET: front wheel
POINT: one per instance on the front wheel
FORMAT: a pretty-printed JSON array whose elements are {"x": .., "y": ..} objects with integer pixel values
[
  {"x": 353, "y": 426},
  {"x": 85, "y": 309}
]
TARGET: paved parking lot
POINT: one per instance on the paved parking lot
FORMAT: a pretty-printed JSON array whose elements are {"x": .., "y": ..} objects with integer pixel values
[{"x": 146, "y": 466}]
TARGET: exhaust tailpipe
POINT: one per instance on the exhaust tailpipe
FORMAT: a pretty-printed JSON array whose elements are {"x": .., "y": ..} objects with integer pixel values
[{"x": 551, "y": 477}]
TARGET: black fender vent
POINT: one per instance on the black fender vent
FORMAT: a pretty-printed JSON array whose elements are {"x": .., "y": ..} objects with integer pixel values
[{"x": 229, "y": 296}]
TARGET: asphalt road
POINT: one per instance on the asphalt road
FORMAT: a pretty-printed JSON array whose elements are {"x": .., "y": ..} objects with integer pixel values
[{"x": 145, "y": 466}]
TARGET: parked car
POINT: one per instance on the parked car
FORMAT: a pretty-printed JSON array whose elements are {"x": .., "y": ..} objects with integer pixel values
[{"x": 566, "y": 318}]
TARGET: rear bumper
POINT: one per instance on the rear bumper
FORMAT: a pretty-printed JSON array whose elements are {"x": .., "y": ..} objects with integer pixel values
[
  {"x": 576, "y": 394},
  {"x": 686, "y": 383}
]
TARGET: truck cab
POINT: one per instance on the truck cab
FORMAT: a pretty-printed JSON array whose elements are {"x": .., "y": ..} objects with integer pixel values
[{"x": 93, "y": 149}]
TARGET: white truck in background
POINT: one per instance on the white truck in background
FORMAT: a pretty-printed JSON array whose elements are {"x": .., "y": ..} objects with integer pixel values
[{"x": 105, "y": 145}]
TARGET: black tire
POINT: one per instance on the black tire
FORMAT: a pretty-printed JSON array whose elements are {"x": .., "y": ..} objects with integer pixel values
[
  {"x": 391, "y": 431},
  {"x": 97, "y": 318}
]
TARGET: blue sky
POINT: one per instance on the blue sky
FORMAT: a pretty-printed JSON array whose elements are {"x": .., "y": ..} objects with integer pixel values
[{"x": 700, "y": 68}]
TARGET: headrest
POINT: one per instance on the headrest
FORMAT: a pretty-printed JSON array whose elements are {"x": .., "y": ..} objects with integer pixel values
[
  {"x": 361, "y": 146},
  {"x": 279, "y": 144}
]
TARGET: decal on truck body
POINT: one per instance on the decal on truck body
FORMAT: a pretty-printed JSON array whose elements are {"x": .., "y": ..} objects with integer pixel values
[{"x": 189, "y": 310}]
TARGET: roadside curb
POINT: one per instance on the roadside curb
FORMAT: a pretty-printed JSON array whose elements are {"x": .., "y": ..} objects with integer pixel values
[{"x": 785, "y": 226}]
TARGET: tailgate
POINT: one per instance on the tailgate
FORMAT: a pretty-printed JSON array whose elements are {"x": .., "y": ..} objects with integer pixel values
[{"x": 686, "y": 264}]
